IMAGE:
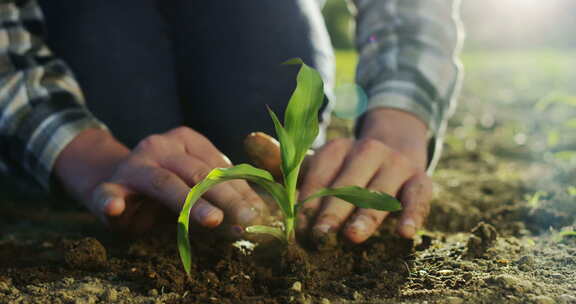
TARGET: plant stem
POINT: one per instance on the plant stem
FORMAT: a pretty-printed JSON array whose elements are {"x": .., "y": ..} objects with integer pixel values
[
  {"x": 291, "y": 183},
  {"x": 290, "y": 234}
]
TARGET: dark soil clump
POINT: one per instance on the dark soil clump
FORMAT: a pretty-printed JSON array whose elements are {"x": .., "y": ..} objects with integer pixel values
[
  {"x": 483, "y": 237},
  {"x": 87, "y": 253}
]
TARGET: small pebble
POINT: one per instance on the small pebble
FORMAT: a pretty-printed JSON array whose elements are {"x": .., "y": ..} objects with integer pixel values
[
  {"x": 297, "y": 286},
  {"x": 445, "y": 272},
  {"x": 153, "y": 292},
  {"x": 304, "y": 299},
  {"x": 212, "y": 277},
  {"x": 325, "y": 301}
]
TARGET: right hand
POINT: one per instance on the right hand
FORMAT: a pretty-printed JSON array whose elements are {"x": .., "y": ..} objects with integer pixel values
[{"x": 130, "y": 190}]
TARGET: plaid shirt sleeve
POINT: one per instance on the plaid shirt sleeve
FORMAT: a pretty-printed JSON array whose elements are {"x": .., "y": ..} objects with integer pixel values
[
  {"x": 408, "y": 58},
  {"x": 41, "y": 106}
]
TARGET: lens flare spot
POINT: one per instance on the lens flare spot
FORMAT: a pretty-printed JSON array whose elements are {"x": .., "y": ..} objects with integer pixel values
[{"x": 351, "y": 101}]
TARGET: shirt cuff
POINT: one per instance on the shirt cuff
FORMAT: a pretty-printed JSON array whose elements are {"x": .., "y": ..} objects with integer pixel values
[{"x": 49, "y": 141}]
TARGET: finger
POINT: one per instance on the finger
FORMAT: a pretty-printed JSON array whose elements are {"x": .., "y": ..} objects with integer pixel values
[
  {"x": 243, "y": 208},
  {"x": 122, "y": 209},
  {"x": 323, "y": 169},
  {"x": 196, "y": 144},
  {"x": 199, "y": 147},
  {"x": 389, "y": 179},
  {"x": 360, "y": 167},
  {"x": 264, "y": 152},
  {"x": 251, "y": 198},
  {"x": 206, "y": 214},
  {"x": 109, "y": 201},
  {"x": 157, "y": 183},
  {"x": 415, "y": 196}
]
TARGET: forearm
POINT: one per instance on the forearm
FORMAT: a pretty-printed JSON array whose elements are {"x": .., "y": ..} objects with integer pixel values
[{"x": 87, "y": 160}]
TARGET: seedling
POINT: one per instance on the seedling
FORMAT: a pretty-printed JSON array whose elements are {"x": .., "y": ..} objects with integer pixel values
[{"x": 296, "y": 136}]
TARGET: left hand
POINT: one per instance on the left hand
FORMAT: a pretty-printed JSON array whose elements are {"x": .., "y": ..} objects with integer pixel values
[{"x": 390, "y": 156}]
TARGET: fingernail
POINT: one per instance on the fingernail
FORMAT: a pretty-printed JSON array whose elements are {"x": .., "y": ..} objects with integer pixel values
[
  {"x": 247, "y": 215},
  {"x": 409, "y": 227},
  {"x": 359, "y": 225},
  {"x": 203, "y": 212}
]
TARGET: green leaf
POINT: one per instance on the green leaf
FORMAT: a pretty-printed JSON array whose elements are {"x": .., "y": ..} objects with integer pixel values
[
  {"x": 269, "y": 230},
  {"x": 360, "y": 197},
  {"x": 286, "y": 144},
  {"x": 301, "y": 116},
  {"x": 219, "y": 175}
]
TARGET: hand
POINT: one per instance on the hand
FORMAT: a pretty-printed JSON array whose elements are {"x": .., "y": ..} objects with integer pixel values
[
  {"x": 132, "y": 190},
  {"x": 390, "y": 157}
]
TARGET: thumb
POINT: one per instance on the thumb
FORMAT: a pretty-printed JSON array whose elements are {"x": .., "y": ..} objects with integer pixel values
[
  {"x": 109, "y": 201},
  {"x": 264, "y": 152}
]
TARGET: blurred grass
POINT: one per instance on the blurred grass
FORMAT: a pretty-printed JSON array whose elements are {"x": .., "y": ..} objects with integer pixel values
[{"x": 346, "y": 61}]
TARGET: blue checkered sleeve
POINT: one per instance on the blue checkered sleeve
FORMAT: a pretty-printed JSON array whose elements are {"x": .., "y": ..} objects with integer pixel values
[{"x": 41, "y": 106}]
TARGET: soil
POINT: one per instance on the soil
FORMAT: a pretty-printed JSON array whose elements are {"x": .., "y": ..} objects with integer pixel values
[{"x": 483, "y": 244}]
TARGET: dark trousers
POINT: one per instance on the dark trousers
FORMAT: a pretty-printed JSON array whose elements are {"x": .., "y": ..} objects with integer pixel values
[{"x": 147, "y": 66}]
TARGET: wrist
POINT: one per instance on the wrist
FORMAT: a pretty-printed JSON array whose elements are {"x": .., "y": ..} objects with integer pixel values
[
  {"x": 400, "y": 130},
  {"x": 87, "y": 160}
]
